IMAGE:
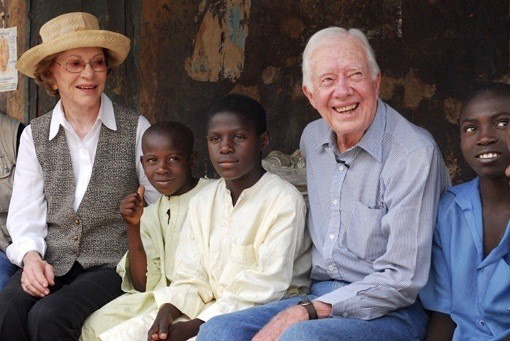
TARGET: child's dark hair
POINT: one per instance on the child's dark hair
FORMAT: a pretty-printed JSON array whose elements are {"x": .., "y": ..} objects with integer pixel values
[
  {"x": 246, "y": 107},
  {"x": 497, "y": 88},
  {"x": 180, "y": 132}
]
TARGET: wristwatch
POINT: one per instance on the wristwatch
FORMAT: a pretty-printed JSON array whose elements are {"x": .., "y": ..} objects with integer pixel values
[{"x": 308, "y": 305}]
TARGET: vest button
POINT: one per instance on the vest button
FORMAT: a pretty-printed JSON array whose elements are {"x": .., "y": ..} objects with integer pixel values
[{"x": 76, "y": 221}]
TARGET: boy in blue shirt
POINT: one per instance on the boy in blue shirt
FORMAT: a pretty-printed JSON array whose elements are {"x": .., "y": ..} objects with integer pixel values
[{"x": 468, "y": 290}]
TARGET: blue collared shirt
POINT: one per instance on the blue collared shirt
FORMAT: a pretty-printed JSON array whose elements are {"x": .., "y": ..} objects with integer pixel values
[
  {"x": 372, "y": 212},
  {"x": 473, "y": 290}
]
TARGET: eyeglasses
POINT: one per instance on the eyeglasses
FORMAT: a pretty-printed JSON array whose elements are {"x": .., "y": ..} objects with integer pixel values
[{"x": 77, "y": 65}]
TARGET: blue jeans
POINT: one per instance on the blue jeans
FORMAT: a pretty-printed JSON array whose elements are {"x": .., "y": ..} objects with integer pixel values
[
  {"x": 7, "y": 269},
  {"x": 404, "y": 324}
]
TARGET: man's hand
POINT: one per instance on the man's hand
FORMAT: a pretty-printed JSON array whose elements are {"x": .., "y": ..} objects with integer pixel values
[
  {"x": 131, "y": 207},
  {"x": 37, "y": 275},
  {"x": 287, "y": 318}
]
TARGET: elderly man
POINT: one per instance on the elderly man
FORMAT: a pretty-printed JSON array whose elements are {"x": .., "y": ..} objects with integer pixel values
[{"x": 374, "y": 181}]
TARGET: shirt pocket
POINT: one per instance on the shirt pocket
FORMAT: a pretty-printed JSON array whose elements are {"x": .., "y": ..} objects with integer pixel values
[
  {"x": 242, "y": 254},
  {"x": 364, "y": 236},
  {"x": 496, "y": 299}
]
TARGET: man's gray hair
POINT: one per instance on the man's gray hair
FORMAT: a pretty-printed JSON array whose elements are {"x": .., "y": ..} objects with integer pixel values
[{"x": 336, "y": 32}]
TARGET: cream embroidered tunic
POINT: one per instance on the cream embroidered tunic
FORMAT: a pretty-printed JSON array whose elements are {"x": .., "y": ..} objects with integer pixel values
[
  {"x": 160, "y": 227},
  {"x": 234, "y": 257}
]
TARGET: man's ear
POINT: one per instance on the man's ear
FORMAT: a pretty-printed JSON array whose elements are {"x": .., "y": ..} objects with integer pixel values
[
  {"x": 309, "y": 95},
  {"x": 264, "y": 140}
]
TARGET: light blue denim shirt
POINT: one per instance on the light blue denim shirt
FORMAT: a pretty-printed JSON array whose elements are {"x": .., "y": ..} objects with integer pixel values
[
  {"x": 372, "y": 212},
  {"x": 473, "y": 290}
]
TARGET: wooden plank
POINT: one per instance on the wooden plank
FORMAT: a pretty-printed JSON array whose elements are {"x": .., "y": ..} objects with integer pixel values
[{"x": 14, "y": 102}]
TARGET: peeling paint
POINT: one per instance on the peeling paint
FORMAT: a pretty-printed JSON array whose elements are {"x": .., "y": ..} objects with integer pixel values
[
  {"x": 292, "y": 27},
  {"x": 452, "y": 108},
  {"x": 270, "y": 75},
  {"x": 415, "y": 89},
  {"x": 220, "y": 43},
  {"x": 452, "y": 164},
  {"x": 251, "y": 91}
]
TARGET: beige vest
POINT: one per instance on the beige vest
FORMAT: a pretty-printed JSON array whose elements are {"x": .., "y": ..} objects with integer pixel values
[
  {"x": 8, "y": 135},
  {"x": 95, "y": 235}
]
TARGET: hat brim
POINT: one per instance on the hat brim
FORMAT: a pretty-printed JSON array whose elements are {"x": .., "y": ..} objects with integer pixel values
[{"x": 118, "y": 46}]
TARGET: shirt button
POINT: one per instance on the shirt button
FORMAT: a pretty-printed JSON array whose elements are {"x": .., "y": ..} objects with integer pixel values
[
  {"x": 482, "y": 322},
  {"x": 76, "y": 221},
  {"x": 331, "y": 268},
  {"x": 341, "y": 168},
  {"x": 332, "y": 236},
  {"x": 345, "y": 314},
  {"x": 335, "y": 202}
]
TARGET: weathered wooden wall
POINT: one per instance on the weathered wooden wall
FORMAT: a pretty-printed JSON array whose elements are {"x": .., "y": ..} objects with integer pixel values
[
  {"x": 189, "y": 53},
  {"x": 30, "y": 101},
  {"x": 430, "y": 52}
]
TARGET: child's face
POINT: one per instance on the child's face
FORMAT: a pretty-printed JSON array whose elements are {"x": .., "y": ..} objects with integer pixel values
[
  {"x": 507, "y": 172},
  {"x": 234, "y": 147},
  {"x": 166, "y": 164},
  {"x": 483, "y": 125}
]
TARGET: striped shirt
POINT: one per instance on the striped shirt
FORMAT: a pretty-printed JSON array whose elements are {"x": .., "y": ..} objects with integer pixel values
[{"x": 372, "y": 212}]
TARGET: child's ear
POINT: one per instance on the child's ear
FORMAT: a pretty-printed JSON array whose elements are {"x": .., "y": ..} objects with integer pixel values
[
  {"x": 193, "y": 160},
  {"x": 264, "y": 140}
]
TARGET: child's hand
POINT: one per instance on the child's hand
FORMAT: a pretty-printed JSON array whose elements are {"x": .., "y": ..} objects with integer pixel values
[
  {"x": 131, "y": 207},
  {"x": 184, "y": 330},
  {"x": 159, "y": 329}
]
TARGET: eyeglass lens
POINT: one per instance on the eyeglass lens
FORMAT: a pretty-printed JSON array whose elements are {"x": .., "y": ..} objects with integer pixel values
[{"x": 75, "y": 65}]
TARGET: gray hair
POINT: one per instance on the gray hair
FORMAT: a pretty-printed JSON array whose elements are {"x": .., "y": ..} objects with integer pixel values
[{"x": 336, "y": 32}]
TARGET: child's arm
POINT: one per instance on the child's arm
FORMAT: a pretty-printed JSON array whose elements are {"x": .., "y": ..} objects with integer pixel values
[
  {"x": 131, "y": 209},
  {"x": 440, "y": 327}
]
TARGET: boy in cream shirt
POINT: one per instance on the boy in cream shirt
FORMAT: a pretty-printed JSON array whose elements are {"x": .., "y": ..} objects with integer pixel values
[{"x": 168, "y": 160}]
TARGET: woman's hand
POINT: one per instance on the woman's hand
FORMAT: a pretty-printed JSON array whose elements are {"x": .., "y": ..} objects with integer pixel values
[
  {"x": 37, "y": 275},
  {"x": 131, "y": 207}
]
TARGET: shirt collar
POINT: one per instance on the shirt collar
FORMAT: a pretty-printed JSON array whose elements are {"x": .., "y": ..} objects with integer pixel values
[
  {"x": 106, "y": 116},
  {"x": 467, "y": 195},
  {"x": 371, "y": 141}
]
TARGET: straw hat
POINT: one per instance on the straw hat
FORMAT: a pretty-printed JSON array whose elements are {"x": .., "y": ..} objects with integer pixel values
[{"x": 70, "y": 31}]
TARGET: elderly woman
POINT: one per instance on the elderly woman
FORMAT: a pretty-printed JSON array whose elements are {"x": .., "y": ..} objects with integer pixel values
[{"x": 75, "y": 165}]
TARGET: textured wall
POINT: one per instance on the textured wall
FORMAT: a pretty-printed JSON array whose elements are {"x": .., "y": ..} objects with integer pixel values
[
  {"x": 430, "y": 52},
  {"x": 186, "y": 54}
]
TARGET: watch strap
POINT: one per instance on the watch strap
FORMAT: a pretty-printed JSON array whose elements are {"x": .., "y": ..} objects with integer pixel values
[{"x": 308, "y": 305}]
